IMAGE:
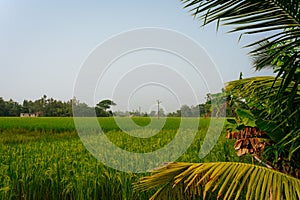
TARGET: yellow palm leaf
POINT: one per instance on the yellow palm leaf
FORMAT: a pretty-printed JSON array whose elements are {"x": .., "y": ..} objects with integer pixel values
[{"x": 231, "y": 179}]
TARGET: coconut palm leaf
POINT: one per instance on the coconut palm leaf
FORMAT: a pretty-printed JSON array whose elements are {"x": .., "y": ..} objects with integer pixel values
[
  {"x": 279, "y": 18},
  {"x": 262, "y": 86},
  {"x": 251, "y": 16},
  {"x": 228, "y": 179}
]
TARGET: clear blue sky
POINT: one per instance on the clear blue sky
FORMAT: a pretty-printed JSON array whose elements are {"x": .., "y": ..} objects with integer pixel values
[{"x": 44, "y": 43}]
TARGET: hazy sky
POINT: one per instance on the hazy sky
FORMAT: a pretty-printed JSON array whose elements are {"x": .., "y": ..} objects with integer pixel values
[{"x": 45, "y": 43}]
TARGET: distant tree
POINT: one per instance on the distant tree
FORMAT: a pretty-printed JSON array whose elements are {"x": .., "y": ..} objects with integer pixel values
[
  {"x": 83, "y": 110},
  {"x": 103, "y": 108},
  {"x": 175, "y": 114},
  {"x": 152, "y": 113},
  {"x": 195, "y": 111},
  {"x": 186, "y": 111},
  {"x": 26, "y": 106},
  {"x": 106, "y": 104},
  {"x": 2, "y": 107},
  {"x": 202, "y": 110},
  {"x": 161, "y": 112},
  {"x": 44, "y": 107},
  {"x": 134, "y": 113},
  {"x": 121, "y": 113},
  {"x": 13, "y": 108},
  {"x": 68, "y": 108}
]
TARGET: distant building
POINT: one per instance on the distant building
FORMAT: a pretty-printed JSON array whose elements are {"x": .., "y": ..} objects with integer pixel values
[
  {"x": 24, "y": 115},
  {"x": 29, "y": 114}
]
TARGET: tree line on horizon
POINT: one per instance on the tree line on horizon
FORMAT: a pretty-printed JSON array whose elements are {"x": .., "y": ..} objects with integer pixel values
[{"x": 49, "y": 107}]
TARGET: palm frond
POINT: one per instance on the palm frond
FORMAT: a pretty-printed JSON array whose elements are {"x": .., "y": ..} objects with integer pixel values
[
  {"x": 262, "y": 84},
  {"x": 279, "y": 18},
  {"x": 229, "y": 179},
  {"x": 255, "y": 14}
]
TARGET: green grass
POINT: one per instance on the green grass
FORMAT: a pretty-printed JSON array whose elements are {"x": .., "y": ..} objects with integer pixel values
[{"x": 43, "y": 158}]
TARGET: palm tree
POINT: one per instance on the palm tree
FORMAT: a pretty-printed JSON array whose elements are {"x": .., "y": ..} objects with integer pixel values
[{"x": 278, "y": 113}]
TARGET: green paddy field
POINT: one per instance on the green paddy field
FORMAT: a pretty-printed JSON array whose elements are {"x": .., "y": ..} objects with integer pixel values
[{"x": 44, "y": 158}]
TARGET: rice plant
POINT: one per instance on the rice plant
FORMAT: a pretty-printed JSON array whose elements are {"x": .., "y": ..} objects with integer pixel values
[{"x": 43, "y": 158}]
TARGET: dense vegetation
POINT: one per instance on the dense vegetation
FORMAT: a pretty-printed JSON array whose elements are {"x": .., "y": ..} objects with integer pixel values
[
  {"x": 43, "y": 106},
  {"x": 49, "y": 107},
  {"x": 266, "y": 110},
  {"x": 43, "y": 158}
]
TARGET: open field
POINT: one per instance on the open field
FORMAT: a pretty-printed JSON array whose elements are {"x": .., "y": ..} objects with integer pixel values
[{"x": 43, "y": 158}]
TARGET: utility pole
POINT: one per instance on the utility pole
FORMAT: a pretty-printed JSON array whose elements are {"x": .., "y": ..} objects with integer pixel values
[{"x": 158, "y": 102}]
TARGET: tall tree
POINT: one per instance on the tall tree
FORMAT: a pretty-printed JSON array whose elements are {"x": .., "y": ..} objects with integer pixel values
[{"x": 103, "y": 108}]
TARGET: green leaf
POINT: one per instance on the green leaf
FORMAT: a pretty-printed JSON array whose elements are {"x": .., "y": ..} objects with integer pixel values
[
  {"x": 268, "y": 127},
  {"x": 240, "y": 127},
  {"x": 232, "y": 121},
  {"x": 246, "y": 117}
]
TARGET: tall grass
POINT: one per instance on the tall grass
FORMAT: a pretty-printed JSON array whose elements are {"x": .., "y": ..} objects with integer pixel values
[{"x": 43, "y": 158}]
